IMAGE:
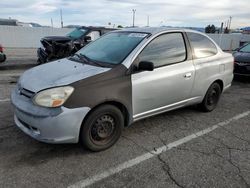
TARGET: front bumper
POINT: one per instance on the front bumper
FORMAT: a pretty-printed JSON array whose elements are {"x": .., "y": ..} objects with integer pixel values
[
  {"x": 42, "y": 55},
  {"x": 59, "y": 125},
  {"x": 242, "y": 70}
]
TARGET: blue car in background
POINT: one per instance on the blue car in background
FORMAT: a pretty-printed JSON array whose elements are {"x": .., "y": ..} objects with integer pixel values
[{"x": 242, "y": 60}]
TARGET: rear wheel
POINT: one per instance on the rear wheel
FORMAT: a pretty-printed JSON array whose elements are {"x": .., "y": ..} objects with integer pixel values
[
  {"x": 102, "y": 128},
  {"x": 211, "y": 98}
]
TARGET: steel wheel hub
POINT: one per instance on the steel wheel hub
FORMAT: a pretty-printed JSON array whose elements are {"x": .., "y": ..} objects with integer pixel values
[
  {"x": 104, "y": 126},
  {"x": 212, "y": 97}
]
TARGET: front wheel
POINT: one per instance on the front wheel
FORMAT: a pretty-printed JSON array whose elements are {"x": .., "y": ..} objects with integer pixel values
[
  {"x": 211, "y": 98},
  {"x": 102, "y": 128}
]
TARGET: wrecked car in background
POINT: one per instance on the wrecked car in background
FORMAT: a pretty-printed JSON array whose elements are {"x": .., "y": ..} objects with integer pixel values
[
  {"x": 2, "y": 55},
  {"x": 57, "y": 47}
]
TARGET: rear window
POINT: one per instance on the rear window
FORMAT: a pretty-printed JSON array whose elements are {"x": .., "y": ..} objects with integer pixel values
[{"x": 202, "y": 45}]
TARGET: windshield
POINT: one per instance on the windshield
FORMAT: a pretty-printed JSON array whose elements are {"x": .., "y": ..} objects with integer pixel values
[
  {"x": 245, "y": 48},
  {"x": 112, "y": 48},
  {"x": 77, "y": 33}
]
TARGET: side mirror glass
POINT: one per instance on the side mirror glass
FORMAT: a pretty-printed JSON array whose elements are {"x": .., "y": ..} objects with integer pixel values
[{"x": 146, "y": 66}]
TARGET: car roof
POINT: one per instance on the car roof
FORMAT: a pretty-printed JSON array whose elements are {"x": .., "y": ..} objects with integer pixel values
[
  {"x": 95, "y": 28},
  {"x": 154, "y": 30}
]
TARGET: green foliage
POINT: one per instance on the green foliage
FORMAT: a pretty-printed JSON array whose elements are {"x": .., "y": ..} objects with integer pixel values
[{"x": 210, "y": 29}]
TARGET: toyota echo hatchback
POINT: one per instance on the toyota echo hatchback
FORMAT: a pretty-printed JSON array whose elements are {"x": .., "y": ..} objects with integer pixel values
[{"x": 120, "y": 78}]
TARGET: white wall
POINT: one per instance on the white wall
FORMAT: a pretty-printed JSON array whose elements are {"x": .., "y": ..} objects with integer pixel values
[
  {"x": 229, "y": 41},
  {"x": 27, "y": 37}
]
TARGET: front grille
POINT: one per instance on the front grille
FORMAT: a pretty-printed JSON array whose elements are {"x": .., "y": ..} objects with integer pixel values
[
  {"x": 24, "y": 124},
  {"x": 242, "y": 63},
  {"x": 26, "y": 93},
  {"x": 34, "y": 129}
]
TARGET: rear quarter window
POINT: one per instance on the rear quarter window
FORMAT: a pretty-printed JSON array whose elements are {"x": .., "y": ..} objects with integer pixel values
[{"x": 202, "y": 46}]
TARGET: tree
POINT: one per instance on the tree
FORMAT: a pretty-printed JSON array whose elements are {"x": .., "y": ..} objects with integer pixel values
[
  {"x": 207, "y": 29},
  {"x": 119, "y": 26},
  {"x": 210, "y": 29}
]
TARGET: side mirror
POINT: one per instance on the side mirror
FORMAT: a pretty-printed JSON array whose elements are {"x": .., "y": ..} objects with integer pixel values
[
  {"x": 87, "y": 39},
  {"x": 145, "y": 66}
]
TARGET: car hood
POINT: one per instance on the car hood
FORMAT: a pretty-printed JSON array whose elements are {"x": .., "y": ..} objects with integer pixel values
[
  {"x": 242, "y": 57},
  {"x": 57, "y": 38},
  {"x": 57, "y": 73}
]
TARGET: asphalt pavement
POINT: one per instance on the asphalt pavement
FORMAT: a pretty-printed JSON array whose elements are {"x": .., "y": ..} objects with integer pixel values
[{"x": 181, "y": 148}]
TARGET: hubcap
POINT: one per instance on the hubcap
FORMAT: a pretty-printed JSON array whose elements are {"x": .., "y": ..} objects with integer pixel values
[
  {"x": 212, "y": 97},
  {"x": 103, "y": 128}
]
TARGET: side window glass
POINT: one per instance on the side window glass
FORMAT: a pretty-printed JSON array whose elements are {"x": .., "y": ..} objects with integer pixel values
[
  {"x": 202, "y": 46},
  {"x": 164, "y": 50}
]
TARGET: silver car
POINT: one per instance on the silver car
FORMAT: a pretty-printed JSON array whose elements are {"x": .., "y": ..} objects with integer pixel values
[{"x": 122, "y": 77}]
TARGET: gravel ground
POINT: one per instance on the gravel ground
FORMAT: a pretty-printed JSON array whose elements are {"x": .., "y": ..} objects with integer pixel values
[{"x": 220, "y": 158}]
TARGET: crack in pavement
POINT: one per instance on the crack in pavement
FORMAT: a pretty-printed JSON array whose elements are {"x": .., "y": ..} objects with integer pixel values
[
  {"x": 215, "y": 152},
  {"x": 165, "y": 166},
  {"x": 167, "y": 170}
]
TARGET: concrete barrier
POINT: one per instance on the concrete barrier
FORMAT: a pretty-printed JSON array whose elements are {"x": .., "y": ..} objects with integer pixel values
[
  {"x": 230, "y": 41},
  {"x": 27, "y": 37}
]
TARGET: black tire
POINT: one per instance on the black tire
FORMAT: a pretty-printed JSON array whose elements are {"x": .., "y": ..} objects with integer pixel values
[
  {"x": 211, "y": 98},
  {"x": 102, "y": 128}
]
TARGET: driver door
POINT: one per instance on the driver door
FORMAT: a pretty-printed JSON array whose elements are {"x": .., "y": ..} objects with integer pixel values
[{"x": 169, "y": 85}]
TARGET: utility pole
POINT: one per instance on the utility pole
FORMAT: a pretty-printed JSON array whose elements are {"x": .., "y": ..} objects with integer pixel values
[
  {"x": 221, "y": 27},
  {"x": 51, "y": 20},
  {"x": 230, "y": 20},
  {"x": 61, "y": 18},
  {"x": 148, "y": 21},
  {"x": 227, "y": 23},
  {"x": 133, "y": 10}
]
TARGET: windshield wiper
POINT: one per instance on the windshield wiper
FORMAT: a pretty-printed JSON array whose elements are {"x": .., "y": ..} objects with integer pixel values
[
  {"x": 81, "y": 57},
  {"x": 84, "y": 59},
  {"x": 91, "y": 61}
]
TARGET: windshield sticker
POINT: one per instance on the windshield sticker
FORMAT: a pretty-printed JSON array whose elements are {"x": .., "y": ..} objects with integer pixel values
[{"x": 140, "y": 35}]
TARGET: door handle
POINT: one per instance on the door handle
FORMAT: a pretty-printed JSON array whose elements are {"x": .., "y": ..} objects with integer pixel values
[{"x": 188, "y": 75}]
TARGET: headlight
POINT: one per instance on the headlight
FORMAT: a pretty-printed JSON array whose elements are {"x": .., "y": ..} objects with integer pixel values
[{"x": 53, "y": 97}]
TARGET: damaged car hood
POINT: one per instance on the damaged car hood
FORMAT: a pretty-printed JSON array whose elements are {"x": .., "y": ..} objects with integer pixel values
[
  {"x": 57, "y": 73},
  {"x": 57, "y": 38}
]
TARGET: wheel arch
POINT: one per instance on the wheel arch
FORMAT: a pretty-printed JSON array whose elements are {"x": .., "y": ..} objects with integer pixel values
[
  {"x": 127, "y": 115},
  {"x": 220, "y": 82}
]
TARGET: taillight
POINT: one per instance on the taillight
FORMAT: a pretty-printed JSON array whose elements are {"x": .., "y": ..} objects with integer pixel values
[{"x": 1, "y": 48}]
